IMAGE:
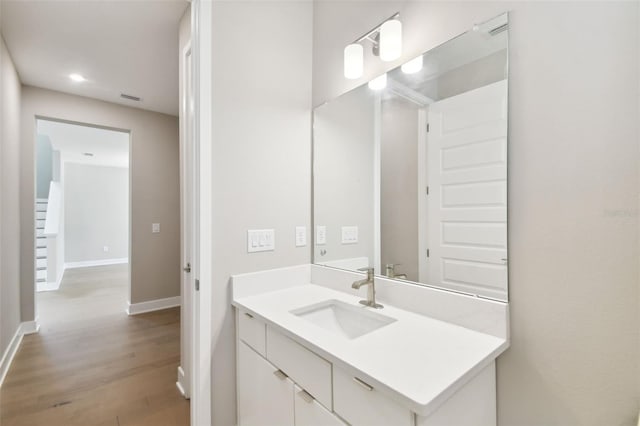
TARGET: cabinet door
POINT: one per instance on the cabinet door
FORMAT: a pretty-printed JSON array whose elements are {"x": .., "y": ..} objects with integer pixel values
[
  {"x": 309, "y": 412},
  {"x": 265, "y": 395}
]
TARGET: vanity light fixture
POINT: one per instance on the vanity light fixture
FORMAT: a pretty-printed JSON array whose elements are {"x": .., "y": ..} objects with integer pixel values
[
  {"x": 379, "y": 82},
  {"x": 413, "y": 66},
  {"x": 386, "y": 40}
]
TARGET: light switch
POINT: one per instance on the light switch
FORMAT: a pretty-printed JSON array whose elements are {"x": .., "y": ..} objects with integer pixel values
[
  {"x": 301, "y": 236},
  {"x": 105, "y": 249},
  {"x": 155, "y": 228},
  {"x": 349, "y": 234},
  {"x": 321, "y": 235},
  {"x": 261, "y": 240}
]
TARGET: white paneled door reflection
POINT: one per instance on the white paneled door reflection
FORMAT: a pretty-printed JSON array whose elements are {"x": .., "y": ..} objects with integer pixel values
[{"x": 467, "y": 201}]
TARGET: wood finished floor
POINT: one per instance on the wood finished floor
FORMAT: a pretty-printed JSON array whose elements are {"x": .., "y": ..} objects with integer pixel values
[{"x": 91, "y": 364}]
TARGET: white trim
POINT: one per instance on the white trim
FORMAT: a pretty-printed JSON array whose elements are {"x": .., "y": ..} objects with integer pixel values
[
  {"x": 102, "y": 262},
  {"x": 53, "y": 285},
  {"x": 28, "y": 327},
  {"x": 201, "y": 39},
  {"x": 152, "y": 305},
  {"x": 180, "y": 383}
]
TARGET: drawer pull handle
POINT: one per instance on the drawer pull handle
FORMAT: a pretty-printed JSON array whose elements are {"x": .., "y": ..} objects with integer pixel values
[
  {"x": 248, "y": 314},
  {"x": 363, "y": 384},
  {"x": 306, "y": 396},
  {"x": 280, "y": 374}
]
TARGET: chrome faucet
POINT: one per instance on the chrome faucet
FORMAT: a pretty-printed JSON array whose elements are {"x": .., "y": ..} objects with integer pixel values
[
  {"x": 390, "y": 271},
  {"x": 371, "y": 290}
]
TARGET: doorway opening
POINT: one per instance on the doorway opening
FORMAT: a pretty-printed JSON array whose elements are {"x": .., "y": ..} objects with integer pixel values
[{"x": 82, "y": 221}]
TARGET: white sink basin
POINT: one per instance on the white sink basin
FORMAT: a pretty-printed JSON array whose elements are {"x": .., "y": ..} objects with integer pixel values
[{"x": 342, "y": 318}]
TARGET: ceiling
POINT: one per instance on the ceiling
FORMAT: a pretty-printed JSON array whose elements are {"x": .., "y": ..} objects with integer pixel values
[
  {"x": 119, "y": 46},
  {"x": 109, "y": 147}
]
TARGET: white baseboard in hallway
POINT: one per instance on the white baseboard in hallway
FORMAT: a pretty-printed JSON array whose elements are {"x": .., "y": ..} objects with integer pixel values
[
  {"x": 153, "y": 305},
  {"x": 88, "y": 263},
  {"x": 28, "y": 327},
  {"x": 180, "y": 384}
]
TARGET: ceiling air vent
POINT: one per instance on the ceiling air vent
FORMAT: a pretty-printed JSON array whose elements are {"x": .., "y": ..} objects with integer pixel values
[{"x": 129, "y": 97}]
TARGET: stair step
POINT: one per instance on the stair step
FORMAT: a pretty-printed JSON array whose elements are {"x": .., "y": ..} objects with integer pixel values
[
  {"x": 40, "y": 223},
  {"x": 41, "y": 280},
  {"x": 41, "y": 263},
  {"x": 41, "y": 274},
  {"x": 40, "y": 252},
  {"x": 39, "y": 231},
  {"x": 41, "y": 207},
  {"x": 41, "y": 215}
]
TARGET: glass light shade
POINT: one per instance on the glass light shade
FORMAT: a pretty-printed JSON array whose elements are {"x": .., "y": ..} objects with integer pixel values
[
  {"x": 353, "y": 61},
  {"x": 379, "y": 82},
  {"x": 413, "y": 66},
  {"x": 391, "y": 40}
]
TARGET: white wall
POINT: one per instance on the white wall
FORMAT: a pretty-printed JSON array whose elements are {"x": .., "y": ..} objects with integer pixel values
[
  {"x": 9, "y": 198},
  {"x": 96, "y": 213},
  {"x": 261, "y": 155},
  {"x": 573, "y": 192}
]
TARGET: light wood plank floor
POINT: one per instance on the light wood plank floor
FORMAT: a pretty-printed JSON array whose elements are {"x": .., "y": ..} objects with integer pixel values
[{"x": 91, "y": 364}]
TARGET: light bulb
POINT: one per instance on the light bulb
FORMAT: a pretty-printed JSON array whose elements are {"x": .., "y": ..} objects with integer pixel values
[
  {"x": 379, "y": 82},
  {"x": 413, "y": 66},
  {"x": 77, "y": 78},
  {"x": 353, "y": 61},
  {"x": 391, "y": 40}
]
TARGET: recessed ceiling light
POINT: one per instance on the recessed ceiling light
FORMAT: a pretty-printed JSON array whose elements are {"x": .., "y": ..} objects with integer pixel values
[{"x": 77, "y": 78}]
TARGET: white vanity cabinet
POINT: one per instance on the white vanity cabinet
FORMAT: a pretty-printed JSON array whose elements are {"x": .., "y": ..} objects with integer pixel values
[{"x": 267, "y": 394}]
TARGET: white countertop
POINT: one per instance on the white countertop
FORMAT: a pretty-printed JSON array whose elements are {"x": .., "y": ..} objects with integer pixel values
[{"x": 417, "y": 361}]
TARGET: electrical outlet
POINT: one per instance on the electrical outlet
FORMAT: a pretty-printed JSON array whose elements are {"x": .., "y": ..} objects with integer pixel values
[
  {"x": 105, "y": 249},
  {"x": 155, "y": 228},
  {"x": 301, "y": 236},
  {"x": 349, "y": 234},
  {"x": 321, "y": 235}
]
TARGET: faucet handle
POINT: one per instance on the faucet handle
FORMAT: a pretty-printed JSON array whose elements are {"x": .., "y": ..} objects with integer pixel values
[{"x": 369, "y": 270}]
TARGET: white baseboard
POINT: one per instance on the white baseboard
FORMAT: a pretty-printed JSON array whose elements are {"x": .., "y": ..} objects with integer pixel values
[
  {"x": 28, "y": 327},
  {"x": 180, "y": 384},
  {"x": 88, "y": 263},
  {"x": 153, "y": 305}
]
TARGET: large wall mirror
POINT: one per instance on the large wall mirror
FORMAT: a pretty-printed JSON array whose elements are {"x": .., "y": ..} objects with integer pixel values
[{"x": 411, "y": 179}]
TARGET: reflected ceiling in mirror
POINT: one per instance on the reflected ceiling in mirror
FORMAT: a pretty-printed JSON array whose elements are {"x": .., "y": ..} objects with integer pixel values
[{"x": 411, "y": 178}]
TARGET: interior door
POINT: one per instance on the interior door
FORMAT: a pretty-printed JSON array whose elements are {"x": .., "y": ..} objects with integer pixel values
[
  {"x": 188, "y": 223},
  {"x": 467, "y": 192}
]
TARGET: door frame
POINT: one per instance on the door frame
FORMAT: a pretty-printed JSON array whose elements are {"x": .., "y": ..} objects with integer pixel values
[{"x": 201, "y": 355}]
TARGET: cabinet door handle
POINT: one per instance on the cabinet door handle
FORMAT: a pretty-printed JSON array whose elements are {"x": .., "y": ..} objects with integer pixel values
[
  {"x": 280, "y": 374},
  {"x": 306, "y": 396},
  {"x": 363, "y": 384},
  {"x": 248, "y": 314}
]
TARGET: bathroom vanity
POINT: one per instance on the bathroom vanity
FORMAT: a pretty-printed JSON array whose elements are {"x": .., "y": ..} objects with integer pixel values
[
  {"x": 409, "y": 181},
  {"x": 309, "y": 354}
]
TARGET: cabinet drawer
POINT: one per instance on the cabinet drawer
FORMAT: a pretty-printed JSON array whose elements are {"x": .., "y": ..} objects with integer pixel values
[
  {"x": 251, "y": 331},
  {"x": 360, "y": 404},
  {"x": 308, "y": 412},
  {"x": 310, "y": 371}
]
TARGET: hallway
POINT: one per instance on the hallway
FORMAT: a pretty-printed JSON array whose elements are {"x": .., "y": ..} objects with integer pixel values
[{"x": 91, "y": 364}]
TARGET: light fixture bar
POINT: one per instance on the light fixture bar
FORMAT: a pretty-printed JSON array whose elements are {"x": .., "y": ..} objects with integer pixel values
[{"x": 374, "y": 30}]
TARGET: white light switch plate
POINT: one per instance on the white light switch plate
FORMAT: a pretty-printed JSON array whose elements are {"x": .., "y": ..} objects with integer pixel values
[
  {"x": 261, "y": 240},
  {"x": 155, "y": 228},
  {"x": 349, "y": 234},
  {"x": 301, "y": 236},
  {"x": 321, "y": 235}
]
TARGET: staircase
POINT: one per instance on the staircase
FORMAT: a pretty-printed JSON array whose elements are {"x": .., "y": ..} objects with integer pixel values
[{"x": 41, "y": 243}]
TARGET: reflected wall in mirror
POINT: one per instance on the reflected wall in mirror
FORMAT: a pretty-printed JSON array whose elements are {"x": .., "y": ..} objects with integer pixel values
[{"x": 412, "y": 179}]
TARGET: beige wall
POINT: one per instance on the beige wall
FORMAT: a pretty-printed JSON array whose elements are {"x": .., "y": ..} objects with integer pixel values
[
  {"x": 154, "y": 187},
  {"x": 573, "y": 192},
  {"x": 9, "y": 198},
  {"x": 261, "y": 175}
]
